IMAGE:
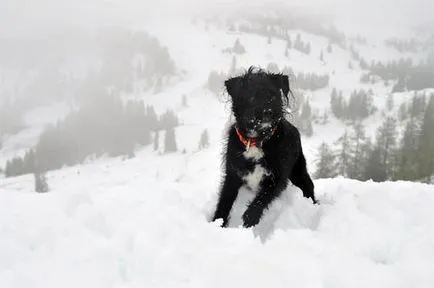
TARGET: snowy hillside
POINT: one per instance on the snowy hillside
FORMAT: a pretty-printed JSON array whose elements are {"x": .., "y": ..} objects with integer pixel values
[
  {"x": 141, "y": 219},
  {"x": 109, "y": 226}
]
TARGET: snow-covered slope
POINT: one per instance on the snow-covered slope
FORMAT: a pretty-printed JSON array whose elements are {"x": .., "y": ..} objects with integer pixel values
[
  {"x": 143, "y": 222},
  {"x": 132, "y": 224}
]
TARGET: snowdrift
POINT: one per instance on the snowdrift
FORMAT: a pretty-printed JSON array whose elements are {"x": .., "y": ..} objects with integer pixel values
[{"x": 106, "y": 225}]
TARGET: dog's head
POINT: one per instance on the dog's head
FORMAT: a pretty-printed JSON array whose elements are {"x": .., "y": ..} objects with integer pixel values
[{"x": 258, "y": 101}]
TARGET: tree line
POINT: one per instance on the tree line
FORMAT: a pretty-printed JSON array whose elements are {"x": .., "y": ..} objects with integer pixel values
[
  {"x": 389, "y": 157},
  {"x": 104, "y": 125},
  {"x": 358, "y": 107}
]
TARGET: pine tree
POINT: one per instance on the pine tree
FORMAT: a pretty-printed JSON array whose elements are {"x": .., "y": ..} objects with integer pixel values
[
  {"x": 307, "y": 50},
  {"x": 156, "y": 140},
  {"x": 326, "y": 167},
  {"x": 386, "y": 143},
  {"x": 358, "y": 157},
  {"x": 170, "y": 141},
  {"x": 306, "y": 119},
  {"x": 204, "y": 140},
  {"x": 238, "y": 48},
  {"x": 321, "y": 56},
  {"x": 426, "y": 142},
  {"x": 343, "y": 154},
  {"x": 325, "y": 118},
  {"x": 408, "y": 151},
  {"x": 334, "y": 102},
  {"x": 289, "y": 43},
  {"x": 375, "y": 169}
]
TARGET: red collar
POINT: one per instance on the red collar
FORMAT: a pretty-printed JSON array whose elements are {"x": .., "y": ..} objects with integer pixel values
[{"x": 249, "y": 142}]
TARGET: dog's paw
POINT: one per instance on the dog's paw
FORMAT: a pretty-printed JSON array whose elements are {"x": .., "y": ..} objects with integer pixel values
[{"x": 252, "y": 216}]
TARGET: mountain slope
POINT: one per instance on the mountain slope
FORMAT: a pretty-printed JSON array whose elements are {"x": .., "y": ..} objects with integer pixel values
[{"x": 107, "y": 225}]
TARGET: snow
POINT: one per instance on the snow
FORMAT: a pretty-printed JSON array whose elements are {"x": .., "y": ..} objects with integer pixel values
[
  {"x": 143, "y": 222},
  {"x": 126, "y": 223}
]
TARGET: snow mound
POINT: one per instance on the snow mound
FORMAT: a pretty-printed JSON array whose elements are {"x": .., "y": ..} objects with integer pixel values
[{"x": 105, "y": 225}]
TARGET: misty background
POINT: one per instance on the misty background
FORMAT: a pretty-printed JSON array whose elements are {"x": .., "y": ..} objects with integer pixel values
[{"x": 86, "y": 79}]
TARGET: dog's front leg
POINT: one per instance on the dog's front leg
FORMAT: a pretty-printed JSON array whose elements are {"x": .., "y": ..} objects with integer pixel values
[
  {"x": 267, "y": 193},
  {"x": 229, "y": 191}
]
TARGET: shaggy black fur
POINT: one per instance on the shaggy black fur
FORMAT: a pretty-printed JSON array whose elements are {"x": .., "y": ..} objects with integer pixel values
[{"x": 258, "y": 104}]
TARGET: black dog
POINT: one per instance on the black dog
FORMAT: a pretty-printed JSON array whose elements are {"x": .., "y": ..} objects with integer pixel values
[{"x": 263, "y": 149}]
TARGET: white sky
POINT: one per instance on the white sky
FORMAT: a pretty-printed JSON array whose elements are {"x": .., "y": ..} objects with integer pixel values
[{"x": 26, "y": 16}]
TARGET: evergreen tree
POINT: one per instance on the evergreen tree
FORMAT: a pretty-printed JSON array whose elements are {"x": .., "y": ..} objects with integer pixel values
[
  {"x": 152, "y": 118},
  {"x": 325, "y": 118},
  {"x": 204, "y": 140},
  {"x": 238, "y": 48},
  {"x": 408, "y": 151},
  {"x": 363, "y": 64},
  {"x": 386, "y": 144},
  {"x": 326, "y": 167},
  {"x": 358, "y": 155},
  {"x": 337, "y": 103},
  {"x": 417, "y": 106},
  {"x": 375, "y": 169},
  {"x": 170, "y": 141},
  {"x": 321, "y": 56},
  {"x": 306, "y": 119},
  {"x": 344, "y": 155},
  {"x": 288, "y": 43},
  {"x": 426, "y": 142},
  {"x": 156, "y": 140},
  {"x": 307, "y": 50}
]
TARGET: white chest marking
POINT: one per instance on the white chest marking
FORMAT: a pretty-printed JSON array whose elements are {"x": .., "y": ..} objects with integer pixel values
[
  {"x": 253, "y": 179},
  {"x": 253, "y": 153}
]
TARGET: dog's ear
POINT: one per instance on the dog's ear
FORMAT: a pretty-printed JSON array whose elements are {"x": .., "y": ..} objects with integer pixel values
[
  {"x": 232, "y": 85},
  {"x": 281, "y": 81}
]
